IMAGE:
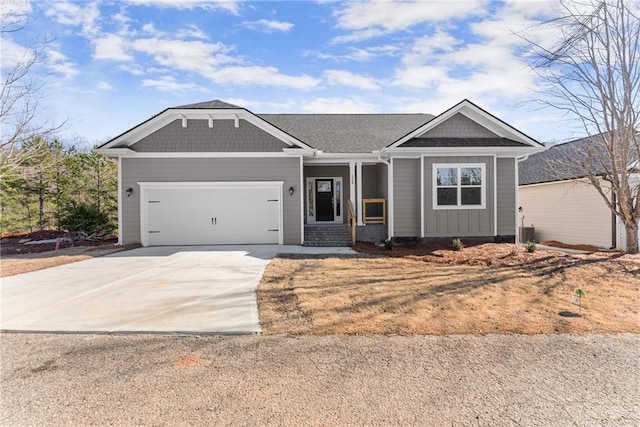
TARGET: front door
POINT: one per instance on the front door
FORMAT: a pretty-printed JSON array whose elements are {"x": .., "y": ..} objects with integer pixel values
[{"x": 324, "y": 200}]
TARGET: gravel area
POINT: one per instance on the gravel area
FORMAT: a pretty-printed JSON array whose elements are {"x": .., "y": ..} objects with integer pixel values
[{"x": 459, "y": 380}]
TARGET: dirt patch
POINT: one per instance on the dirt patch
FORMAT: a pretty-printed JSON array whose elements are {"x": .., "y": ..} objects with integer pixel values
[
  {"x": 49, "y": 240},
  {"x": 488, "y": 288},
  {"x": 11, "y": 265},
  {"x": 556, "y": 244}
]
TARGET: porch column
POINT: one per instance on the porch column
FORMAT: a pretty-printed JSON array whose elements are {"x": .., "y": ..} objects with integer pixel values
[
  {"x": 352, "y": 184},
  {"x": 359, "y": 194}
]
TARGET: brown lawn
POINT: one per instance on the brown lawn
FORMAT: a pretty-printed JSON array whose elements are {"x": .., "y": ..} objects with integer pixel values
[
  {"x": 12, "y": 264},
  {"x": 490, "y": 288}
]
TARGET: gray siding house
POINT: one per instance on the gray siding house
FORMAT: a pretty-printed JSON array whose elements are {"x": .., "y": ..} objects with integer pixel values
[{"x": 216, "y": 173}]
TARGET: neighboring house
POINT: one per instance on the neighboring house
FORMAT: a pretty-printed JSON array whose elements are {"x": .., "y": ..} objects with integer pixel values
[
  {"x": 561, "y": 204},
  {"x": 216, "y": 173}
]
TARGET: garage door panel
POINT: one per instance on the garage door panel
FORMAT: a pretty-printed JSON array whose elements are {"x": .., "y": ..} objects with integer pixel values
[{"x": 214, "y": 215}]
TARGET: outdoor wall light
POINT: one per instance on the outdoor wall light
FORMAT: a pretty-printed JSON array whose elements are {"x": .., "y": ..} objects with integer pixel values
[
  {"x": 291, "y": 190},
  {"x": 129, "y": 191}
]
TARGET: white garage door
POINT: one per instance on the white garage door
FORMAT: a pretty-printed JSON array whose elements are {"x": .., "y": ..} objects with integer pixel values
[{"x": 211, "y": 213}]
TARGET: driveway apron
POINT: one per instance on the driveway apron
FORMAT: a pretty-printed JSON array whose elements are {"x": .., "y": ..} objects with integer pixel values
[{"x": 201, "y": 289}]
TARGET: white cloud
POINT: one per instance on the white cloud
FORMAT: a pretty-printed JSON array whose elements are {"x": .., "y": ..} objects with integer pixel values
[
  {"x": 170, "y": 84},
  {"x": 112, "y": 46},
  {"x": 231, "y": 6},
  {"x": 347, "y": 78},
  {"x": 372, "y": 19},
  {"x": 133, "y": 69},
  {"x": 68, "y": 13},
  {"x": 262, "y": 76},
  {"x": 193, "y": 55},
  {"x": 212, "y": 61},
  {"x": 14, "y": 13},
  {"x": 104, "y": 86},
  {"x": 357, "y": 54},
  {"x": 59, "y": 63},
  {"x": 264, "y": 106},
  {"x": 339, "y": 105},
  {"x": 268, "y": 25},
  {"x": 13, "y": 54},
  {"x": 192, "y": 32}
]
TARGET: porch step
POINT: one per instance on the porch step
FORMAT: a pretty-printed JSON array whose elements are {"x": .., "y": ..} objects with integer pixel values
[{"x": 327, "y": 235}]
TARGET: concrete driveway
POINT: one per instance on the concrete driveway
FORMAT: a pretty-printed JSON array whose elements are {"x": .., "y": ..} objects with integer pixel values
[{"x": 161, "y": 289}]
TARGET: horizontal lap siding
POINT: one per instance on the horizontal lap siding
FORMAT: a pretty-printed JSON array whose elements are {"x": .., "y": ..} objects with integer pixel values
[
  {"x": 506, "y": 192},
  {"x": 570, "y": 212},
  {"x": 210, "y": 170},
  {"x": 406, "y": 197},
  {"x": 458, "y": 222}
]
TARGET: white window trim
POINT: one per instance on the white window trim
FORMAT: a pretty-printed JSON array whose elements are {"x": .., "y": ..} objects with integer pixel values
[{"x": 458, "y": 166}]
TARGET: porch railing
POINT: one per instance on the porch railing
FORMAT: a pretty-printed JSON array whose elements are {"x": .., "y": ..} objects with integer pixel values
[
  {"x": 374, "y": 211},
  {"x": 352, "y": 219}
]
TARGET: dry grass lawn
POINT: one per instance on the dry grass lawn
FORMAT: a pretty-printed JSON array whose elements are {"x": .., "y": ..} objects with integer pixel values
[
  {"x": 491, "y": 288},
  {"x": 11, "y": 265}
]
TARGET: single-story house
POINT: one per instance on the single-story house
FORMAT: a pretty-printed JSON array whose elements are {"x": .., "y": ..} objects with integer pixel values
[
  {"x": 216, "y": 173},
  {"x": 559, "y": 202}
]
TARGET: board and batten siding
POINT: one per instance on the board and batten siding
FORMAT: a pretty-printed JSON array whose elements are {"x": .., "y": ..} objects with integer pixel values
[
  {"x": 458, "y": 222},
  {"x": 571, "y": 212},
  {"x": 211, "y": 170},
  {"x": 506, "y": 196},
  {"x": 406, "y": 197}
]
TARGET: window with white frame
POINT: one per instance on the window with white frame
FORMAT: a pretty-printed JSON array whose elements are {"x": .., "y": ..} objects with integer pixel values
[{"x": 459, "y": 186}]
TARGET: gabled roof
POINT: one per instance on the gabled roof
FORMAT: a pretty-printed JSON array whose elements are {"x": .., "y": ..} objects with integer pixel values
[
  {"x": 555, "y": 164},
  {"x": 347, "y": 133},
  {"x": 477, "y": 114},
  {"x": 214, "y": 104}
]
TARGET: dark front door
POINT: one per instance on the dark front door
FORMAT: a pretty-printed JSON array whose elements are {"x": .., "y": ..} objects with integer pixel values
[{"x": 324, "y": 200}]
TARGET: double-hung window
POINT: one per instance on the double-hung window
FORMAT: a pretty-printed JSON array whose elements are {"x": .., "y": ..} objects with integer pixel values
[{"x": 459, "y": 186}]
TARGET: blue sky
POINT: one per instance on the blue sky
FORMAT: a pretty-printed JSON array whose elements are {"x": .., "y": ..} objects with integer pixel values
[{"x": 112, "y": 64}]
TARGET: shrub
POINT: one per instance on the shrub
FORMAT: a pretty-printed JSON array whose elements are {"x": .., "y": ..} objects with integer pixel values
[
  {"x": 388, "y": 244},
  {"x": 457, "y": 244},
  {"x": 87, "y": 218},
  {"x": 531, "y": 246}
]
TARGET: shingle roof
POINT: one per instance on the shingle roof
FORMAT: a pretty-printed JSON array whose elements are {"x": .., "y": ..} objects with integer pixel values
[
  {"x": 347, "y": 133},
  {"x": 555, "y": 164},
  {"x": 214, "y": 104},
  {"x": 463, "y": 142}
]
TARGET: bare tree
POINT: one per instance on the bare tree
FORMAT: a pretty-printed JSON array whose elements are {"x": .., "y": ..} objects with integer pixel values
[
  {"x": 19, "y": 94},
  {"x": 592, "y": 73}
]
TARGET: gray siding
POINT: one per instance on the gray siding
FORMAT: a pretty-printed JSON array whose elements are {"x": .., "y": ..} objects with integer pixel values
[
  {"x": 459, "y": 126},
  {"x": 199, "y": 137},
  {"x": 210, "y": 170},
  {"x": 369, "y": 182},
  {"x": 328, "y": 172},
  {"x": 383, "y": 180},
  {"x": 506, "y": 195},
  {"x": 406, "y": 197},
  {"x": 458, "y": 222}
]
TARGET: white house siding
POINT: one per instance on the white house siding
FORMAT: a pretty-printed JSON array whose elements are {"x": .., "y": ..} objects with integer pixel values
[
  {"x": 568, "y": 211},
  {"x": 136, "y": 170}
]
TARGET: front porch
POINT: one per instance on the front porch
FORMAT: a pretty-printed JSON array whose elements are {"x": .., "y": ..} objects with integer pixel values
[{"x": 338, "y": 195}]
